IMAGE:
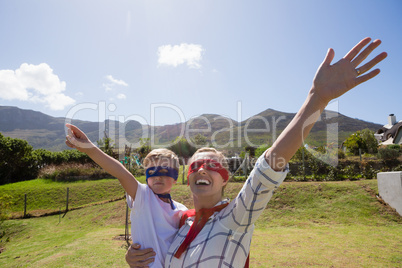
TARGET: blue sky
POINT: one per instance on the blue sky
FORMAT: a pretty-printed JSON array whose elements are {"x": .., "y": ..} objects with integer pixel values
[{"x": 164, "y": 61}]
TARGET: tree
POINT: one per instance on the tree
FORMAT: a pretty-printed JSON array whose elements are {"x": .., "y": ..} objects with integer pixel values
[
  {"x": 300, "y": 153},
  {"x": 260, "y": 150},
  {"x": 17, "y": 162},
  {"x": 200, "y": 140},
  {"x": 355, "y": 142},
  {"x": 145, "y": 147},
  {"x": 44, "y": 157},
  {"x": 363, "y": 140},
  {"x": 106, "y": 145},
  {"x": 370, "y": 140},
  {"x": 182, "y": 148}
]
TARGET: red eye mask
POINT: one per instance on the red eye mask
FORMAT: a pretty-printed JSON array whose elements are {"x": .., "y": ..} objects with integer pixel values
[{"x": 208, "y": 164}]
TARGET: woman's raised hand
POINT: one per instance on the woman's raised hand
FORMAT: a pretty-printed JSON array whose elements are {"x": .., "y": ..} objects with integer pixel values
[{"x": 332, "y": 81}]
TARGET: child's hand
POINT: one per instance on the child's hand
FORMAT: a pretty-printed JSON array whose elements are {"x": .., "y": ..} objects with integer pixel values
[{"x": 77, "y": 139}]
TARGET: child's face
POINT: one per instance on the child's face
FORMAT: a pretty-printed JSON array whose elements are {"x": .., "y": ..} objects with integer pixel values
[
  {"x": 161, "y": 184},
  {"x": 206, "y": 183}
]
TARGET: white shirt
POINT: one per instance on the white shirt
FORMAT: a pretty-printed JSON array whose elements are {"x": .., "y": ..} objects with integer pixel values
[
  {"x": 153, "y": 222},
  {"x": 226, "y": 237}
]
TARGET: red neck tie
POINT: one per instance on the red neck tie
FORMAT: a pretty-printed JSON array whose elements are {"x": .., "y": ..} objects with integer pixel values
[{"x": 201, "y": 218}]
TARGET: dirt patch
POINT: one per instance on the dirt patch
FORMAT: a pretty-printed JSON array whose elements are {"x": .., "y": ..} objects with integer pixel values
[
  {"x": 385, "y": 208},
  {"x": 122, "y": 237}
]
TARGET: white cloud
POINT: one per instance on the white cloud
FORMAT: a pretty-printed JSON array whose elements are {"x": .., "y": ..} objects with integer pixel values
[
  {"x": 34, "y": 83},
  {"x": 189, "y": 54},
  {"x": 121, "y": 96},
  {"x": 115, "y": 81},
  {"x": 112, "y": 82}
]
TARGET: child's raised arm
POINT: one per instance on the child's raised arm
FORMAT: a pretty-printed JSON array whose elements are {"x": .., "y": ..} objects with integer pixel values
[
  {"x": 330, "y": 82},
  {"x": 78, "y": 140}
]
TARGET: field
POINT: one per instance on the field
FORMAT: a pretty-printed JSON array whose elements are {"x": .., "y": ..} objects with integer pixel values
[{"x": 321, "y": 224}]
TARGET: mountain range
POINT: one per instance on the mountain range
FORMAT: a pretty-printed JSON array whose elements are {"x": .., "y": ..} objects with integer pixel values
[{"x": 47, "y": 132}]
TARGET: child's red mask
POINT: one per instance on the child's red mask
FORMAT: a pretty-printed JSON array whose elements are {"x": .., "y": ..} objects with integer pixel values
[{"x": 208, "y": 164}]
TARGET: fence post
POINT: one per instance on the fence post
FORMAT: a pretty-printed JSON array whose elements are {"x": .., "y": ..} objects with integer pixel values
[
  {"x": 304, "y": 168},
  {"x": 184, "y": 167},
  {"x": 25, "y": 205},
  {"x": 67, "y": 199},
  {"x": 126, "y": 225}
]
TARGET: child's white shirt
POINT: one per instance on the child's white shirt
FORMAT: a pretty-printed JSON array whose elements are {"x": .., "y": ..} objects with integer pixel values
[{"x": 153, "y": 222}]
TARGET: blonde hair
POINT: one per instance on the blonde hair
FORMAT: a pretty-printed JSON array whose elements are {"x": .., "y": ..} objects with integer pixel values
[{"x": 160, "y": 154}]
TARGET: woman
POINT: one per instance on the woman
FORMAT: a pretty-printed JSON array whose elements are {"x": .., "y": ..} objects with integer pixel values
[{"x": 219, "y": 234}]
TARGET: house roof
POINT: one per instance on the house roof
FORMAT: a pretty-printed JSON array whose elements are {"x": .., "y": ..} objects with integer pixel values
[{"x": 390, "y": 133}]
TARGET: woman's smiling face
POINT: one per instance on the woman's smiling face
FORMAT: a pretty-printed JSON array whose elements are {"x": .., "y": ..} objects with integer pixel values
[{"x": 205, "y": 182}]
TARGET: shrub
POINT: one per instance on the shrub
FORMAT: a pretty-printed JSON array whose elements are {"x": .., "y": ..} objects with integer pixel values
[
  {"x": 182, "y": 148},
  {"x": 341, "y": 154},
  {"x": 298, "y": 156},
  {"x": 302, "y": 172},
  {"x": 388, "y": 153},
  {"x": 73, "y": 172},
  {"x": 46, "y": 158},
  {"x": 396, "y": 147},
  {"x": 17, "y": 162},
  {"x": 397, "y": 168},
  {"x": 368, "y": 172},
  {"x": 260, "y": 150},
  {"x": 136, "y": 171},
  {"x": 349, "y": 171},
  {"x": 332, "y": 174},
  {"x": 314, "y": 165}
]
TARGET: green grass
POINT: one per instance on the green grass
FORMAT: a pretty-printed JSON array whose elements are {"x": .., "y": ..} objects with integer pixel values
[
  {"x": 83, "y": 238},
  {"x": 46, "y": 196},
  {"x": 321, "y": 224},
  {"x": 296, "y": 204},
  {"x": 355, "y": 245}
]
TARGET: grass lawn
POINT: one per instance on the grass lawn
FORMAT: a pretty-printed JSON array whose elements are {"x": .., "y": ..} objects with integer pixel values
[
  {"x": 354, "y": 245},
  {"x": 45, "y": 196},
  {"x": 321, "y": 224},
  {"x": 83, "y": 238}
]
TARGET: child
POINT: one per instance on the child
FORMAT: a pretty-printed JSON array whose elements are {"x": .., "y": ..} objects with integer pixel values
[{"x": 154, "y": 216}]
